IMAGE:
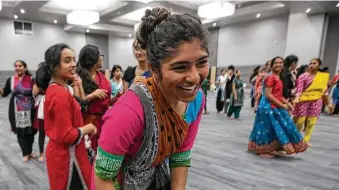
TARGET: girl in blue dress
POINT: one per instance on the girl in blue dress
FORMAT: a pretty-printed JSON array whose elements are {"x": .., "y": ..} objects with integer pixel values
[{"x": 274, "y": 131}]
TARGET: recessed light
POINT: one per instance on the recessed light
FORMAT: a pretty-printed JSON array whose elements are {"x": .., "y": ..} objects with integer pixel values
[
  {"x": 87, "y": 30},
  {"x": 129, "y": 35},
  {"x": 258, "y": 15},
  {"x": 308, "y": 10},
  {"x": 55, "y": 21},
  {"x": 337, "y": 5},
  {"x": 15, "y": 16},
  {"x": 214, "y": 24},
  {"x": 22, "y": 11}
]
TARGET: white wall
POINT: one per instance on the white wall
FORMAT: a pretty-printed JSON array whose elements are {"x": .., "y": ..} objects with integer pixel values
[
  {"x": 252, "y": 43},
  {"x": 331, "y": 54},
  {"x": 121, "y": 52},
  {"x": 304, "y": 36},
  {"x": 31, "y": 49}
]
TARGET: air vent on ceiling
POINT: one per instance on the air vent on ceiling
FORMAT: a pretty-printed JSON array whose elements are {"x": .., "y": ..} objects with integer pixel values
[{"x": 23, "y": 28}]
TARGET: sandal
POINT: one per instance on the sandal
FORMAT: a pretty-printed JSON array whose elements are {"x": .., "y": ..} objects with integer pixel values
[{"x": 25, "y": 159}]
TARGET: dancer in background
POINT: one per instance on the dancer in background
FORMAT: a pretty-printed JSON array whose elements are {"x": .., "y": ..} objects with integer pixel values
[
  {"x": 38, "y": 124},
  {"x": 230, "y": 76},
  {"x": 290, "y": 65},
  {"x": 274, "y": 130},
  {"x": 335, "y": 98},
  {"x": 139, "y": 70},
  {"x": 258, "y": 86},
  {"x": 221, "y": 81},
  {"x": 149, "y": 133},
  {"x": 311, "y": 90},
  {"x": 96, "y": 88},
  {"x": 253, "y": 78},
  {"x": 116, "y": 83},
  {"x": 67, "y": 164},
  {"x": 21, "y": 107},
  {"x": 237, "y": 97}
]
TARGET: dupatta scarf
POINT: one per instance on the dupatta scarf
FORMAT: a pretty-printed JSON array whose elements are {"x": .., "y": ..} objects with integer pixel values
[
  {"x": 21, "y": 103},
  {"x": 164, "y": 133}
]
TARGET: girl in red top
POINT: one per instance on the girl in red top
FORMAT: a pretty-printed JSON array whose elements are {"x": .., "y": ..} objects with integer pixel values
[
  {"x": 66, "y": 157},
  {"x": 274, "y": 131}
]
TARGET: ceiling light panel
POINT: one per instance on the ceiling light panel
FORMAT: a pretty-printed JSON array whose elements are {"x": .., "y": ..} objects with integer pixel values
[
  {"x": 83, "y": 17},
  {"x": 66, "y": 6},
  {"x": 216, "y": 10},
  {"x": 134, "y": 16}
]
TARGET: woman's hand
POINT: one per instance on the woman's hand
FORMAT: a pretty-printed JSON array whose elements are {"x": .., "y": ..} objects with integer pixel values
[
  {"x": 1, "y": 91},
  {"x": 77, "y": 80},
  {"x": 100, "y": 93},
  {"x": 89, "y": 129},
  {"x": 290, "y": 106},
  {"x": 330, "y": 108},
  {"x": 296, "y": 100}
]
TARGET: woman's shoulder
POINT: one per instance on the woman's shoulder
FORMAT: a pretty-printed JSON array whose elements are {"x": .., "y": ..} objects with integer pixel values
[
  {"x": 57, "y": 91},
  {"x": 127, "y": 107},
  {"x": 129, "y": 74}
]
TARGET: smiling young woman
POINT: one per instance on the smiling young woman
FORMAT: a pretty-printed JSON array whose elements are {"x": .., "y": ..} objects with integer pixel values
[
  {"x": 67, "y": 163},
  {"x": 148, "y": 134},
  {"x": 274, "y": 131},
  {"x": 21, "y": 107}
]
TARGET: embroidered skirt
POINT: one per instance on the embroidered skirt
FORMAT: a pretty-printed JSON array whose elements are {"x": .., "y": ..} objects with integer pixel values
[{"x": 274, "y": 130}]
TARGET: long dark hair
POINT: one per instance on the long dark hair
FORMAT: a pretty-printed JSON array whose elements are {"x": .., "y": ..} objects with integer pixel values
[
  {"x": 114, "y": 68},
  {"x": 24, "y": 64},
  {"x": 301, "y": 70},
  {"x": 46, "y": 69},
  {"x": 88, "y": 57},
  {"x": 42, "y": 76},
  {"x": 289, "y": 60},
  {"x": 161, "y": 32}
]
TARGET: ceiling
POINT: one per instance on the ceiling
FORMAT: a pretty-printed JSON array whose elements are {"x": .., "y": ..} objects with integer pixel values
[{"x": 118, "y": 17}]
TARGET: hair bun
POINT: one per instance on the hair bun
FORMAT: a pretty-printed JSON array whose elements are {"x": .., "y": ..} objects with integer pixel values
[{"x": 151, "y": 19}]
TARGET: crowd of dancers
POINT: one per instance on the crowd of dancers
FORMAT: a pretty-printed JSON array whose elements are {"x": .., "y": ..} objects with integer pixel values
[
  {"x": 286, "y": 100},
  {"x": 136, "y": 131}
]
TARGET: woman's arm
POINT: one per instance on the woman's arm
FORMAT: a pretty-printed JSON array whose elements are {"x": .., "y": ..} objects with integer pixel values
[
  {"x": 234, "y": 91},
  {"x": 102, "y": 184},
  {"x": 272, "y": 99},
  {"x": 66, "y": 133},
  {"x": 7, "y": 89},
  {"x": 299, "y": 88},
  {"x": 116, "y": 139},
  {"x": 180, "y": 161},
  {"x": 179, "y": 178},
  {"x": 35, "y": 90},
  {"x": 125, "y": 86}
]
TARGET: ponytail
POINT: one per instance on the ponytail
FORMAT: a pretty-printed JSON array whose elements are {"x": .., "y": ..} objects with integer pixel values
[
  {"x": 43, "y": 76},
  {"x": 28, "y": 73}
]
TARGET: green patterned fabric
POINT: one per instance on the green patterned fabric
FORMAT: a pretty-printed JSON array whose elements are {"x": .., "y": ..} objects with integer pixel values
[
  {"x": 180, "y": 159},
  {"x": 107, "y": 165}
]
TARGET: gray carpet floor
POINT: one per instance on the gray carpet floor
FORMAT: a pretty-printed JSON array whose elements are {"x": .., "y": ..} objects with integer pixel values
[{"x": 220, "y": 158}]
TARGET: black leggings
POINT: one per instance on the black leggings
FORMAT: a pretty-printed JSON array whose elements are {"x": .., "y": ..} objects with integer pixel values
[
  {"x": 42, "y": 136},
  {"x": 26, "y": 143},
  {"x": 76, "y": 181}
]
